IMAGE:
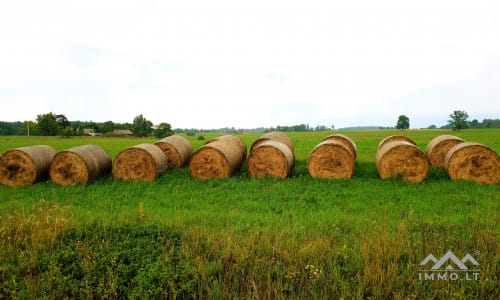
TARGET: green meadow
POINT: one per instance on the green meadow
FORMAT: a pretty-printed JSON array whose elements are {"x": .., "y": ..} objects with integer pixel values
[{"x": 243, "y": 238}]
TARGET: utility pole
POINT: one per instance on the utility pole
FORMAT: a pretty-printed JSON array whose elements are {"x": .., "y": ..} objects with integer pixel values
[{"x": 28, "y": 122}]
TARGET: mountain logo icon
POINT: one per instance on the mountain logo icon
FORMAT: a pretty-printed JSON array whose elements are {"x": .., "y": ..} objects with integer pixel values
[{"x": 449, "y": 262}]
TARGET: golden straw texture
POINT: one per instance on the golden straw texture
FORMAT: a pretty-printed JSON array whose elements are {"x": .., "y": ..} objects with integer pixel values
[
  {"x": 178, "y": 150},
  {"x": 234, "y": 140},
  {"x": 142, "y": 162},
  {"x": 217, "y": 159},
  {"x": 473, "y": 161},
  {"x": 438, "y": 147},
  {"x": 331, "y": 159},
  {"x": 270, "y": 158},
  {"x": 26, "y": 165},
  {"x": 394, "y": 138},
  {"x": 273, "y": 136},
  {"x": 400, "y": 159},
  {"x": 345, "y": 140},
  {"x": 79, "y": 165}
]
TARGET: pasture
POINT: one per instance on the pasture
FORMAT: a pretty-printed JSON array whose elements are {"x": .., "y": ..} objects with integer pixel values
[{"x": 243, "y": 238}]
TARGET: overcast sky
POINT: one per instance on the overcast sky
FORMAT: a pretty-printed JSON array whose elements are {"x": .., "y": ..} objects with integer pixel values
[{"x": 210, "y": 64}]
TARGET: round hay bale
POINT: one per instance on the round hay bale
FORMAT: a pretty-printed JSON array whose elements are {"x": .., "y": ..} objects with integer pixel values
[
  {"x": 217, "y": 159},
  {"x": 438, "y": 147},
  {"x": 345, "y": 140},
  {"x": 79, "y": 165},
  {"x": 394, "y": 138},
  {"x": 178, "y": 150},
  {"x": 232, "y": 139},
  {"x": 402, "y": 159},
  {"x": 273, "y": 136},
  {"x": 331, "y": 159},
  {"x": 270, "y": 158},
  {"x": 26, "y": 165},
  {"x": 142, "y": 162},
  {"x": 473, "y": 161}
]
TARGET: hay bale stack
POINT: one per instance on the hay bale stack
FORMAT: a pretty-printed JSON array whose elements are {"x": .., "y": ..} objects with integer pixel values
[
  {"x": 438, "y": 147},
  {"x": 26, "y": 165},
  {"x": 394, "y": 138},
  {"x": 270, "y": 158},
  {"x": 402, "y": 159},
  {"x": 219, "y": 158},
  {"x": 232, "y": 139},
  {"x": 345, "y": 140},
  {"x": 273, "y": 136},
  {"x": 177, "y": 149},
  {"x": 331, "y": 159},
  {"x": 79, "y": 165},
  {"x": 473, "y": 161},
  {"x": 142, "y": 162}
]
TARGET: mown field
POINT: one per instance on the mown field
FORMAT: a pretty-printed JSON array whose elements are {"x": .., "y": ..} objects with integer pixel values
[{"x": 242, "y": 238}]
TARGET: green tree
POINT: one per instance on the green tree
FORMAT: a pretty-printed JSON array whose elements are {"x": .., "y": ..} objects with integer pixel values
[
  {"x": 107, "y": 126},
  {"x": 141, "y": 126},
  {"x": 62, "y": 121},
  {"x": 403, "y": 122},
  {"x": 28, "y": 128},
  {"x": 10, "y": 128},
  {"x": 67, "y": 132},
  {"x": 163, "y": 130},
  {"x": 459, "y": 120},
  {"x": 47, "y": 124}
]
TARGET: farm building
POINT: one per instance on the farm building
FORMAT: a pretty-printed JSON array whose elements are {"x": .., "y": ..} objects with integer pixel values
[
  {"x": 88, "y": 131},
  {"x": 123, "y": 132}
]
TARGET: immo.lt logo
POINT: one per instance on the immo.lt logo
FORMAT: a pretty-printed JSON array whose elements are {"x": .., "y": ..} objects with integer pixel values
[{"x": 449, "y": 267}]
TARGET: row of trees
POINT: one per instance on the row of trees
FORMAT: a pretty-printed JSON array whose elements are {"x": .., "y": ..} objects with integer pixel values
[
  {"x": 52, "y": 124},
  {"x": 295, "y": 128},
  {"x": 58, "y": 124}
]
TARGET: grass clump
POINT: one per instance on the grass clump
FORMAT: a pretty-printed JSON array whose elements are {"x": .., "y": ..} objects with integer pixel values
[{"x": 43, "y": 256}]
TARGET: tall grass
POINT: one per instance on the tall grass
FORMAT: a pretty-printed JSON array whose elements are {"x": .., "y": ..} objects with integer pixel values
[{"x": 44, "y": 255}]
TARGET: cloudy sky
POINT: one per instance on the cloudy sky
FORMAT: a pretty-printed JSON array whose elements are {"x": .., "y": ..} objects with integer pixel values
[{"x": 209, "y": 64}]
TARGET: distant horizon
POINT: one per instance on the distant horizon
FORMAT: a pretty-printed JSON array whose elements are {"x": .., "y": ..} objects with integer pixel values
[{"x": 329, "y": 128}]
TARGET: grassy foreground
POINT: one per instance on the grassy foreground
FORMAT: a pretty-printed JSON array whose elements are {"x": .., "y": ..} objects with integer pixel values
[{"x": 241, "y": 238}]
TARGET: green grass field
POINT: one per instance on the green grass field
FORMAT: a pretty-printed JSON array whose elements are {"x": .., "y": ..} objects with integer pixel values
[{"x": 242, "y": 238}]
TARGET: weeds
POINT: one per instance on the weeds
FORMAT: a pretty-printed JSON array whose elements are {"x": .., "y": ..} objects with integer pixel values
[{"x": 42, "y": 256}]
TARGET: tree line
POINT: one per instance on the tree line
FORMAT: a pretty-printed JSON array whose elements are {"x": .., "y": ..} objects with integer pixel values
[
  {"x": 292, "y": 128},
  {"x": 52, "y": 124}
]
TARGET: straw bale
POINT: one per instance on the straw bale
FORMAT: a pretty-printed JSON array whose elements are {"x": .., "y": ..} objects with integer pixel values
[
  {"x": 345, "y": 140},
  {"x": 331, "y": 159},
  {"x": 232, "y": 139},
  {"x": 270, "y": 158},
  {"x": 273, "y": 136},
  {"x": 178, "y": 150},
  {"x": 402, "y": 159},
  {"x": 473, "y": 161},
  {"x": 26, "y": 165},
  {"x": 438, "y": 147},
  {"x": 79, "y": 165},
  {"x": 394, "y": 138},
  {"x": 141, "y": 162},
  {"x": 217, "y": 159}
]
